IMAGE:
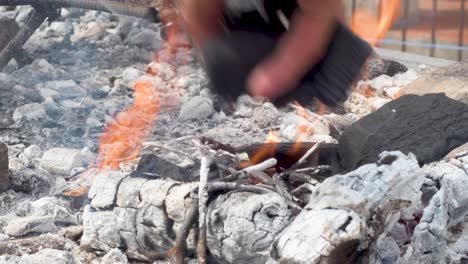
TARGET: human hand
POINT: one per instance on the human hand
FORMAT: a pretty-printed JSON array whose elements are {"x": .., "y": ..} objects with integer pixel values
[{"x": 298, "y": 50}]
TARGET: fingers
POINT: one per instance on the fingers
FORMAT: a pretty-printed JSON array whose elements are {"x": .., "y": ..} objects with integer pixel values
[
  {"x": 301, "y": 48},
  {"x": 201, "y": 17}
]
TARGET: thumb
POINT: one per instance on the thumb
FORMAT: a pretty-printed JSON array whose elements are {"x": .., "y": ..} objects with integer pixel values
[{"x": 299, "y": 49}]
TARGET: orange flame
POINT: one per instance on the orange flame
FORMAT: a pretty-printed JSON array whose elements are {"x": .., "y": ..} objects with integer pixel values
[
  {"x": 368, "y": 27},
  {"x": 123, "y": 137},
  {"x": 266, "y": 151}
]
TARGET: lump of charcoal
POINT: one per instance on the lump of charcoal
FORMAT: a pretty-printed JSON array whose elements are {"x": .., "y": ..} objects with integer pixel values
[
  {"x": 153, "y": 166},
  {"x": 9, "y": 28},
  {"x": 378, "y": 66},
  {"x": 4, "y": 172},
  {"x": 429, "y": 126}
]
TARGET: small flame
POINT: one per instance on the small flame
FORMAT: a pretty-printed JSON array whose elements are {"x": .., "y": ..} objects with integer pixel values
[
  {"x": 123, "y": 137},
  {"x": 272, "y": 137},
  {"x": 368, "y": 27},
  {"x": 266, "y": 151}
]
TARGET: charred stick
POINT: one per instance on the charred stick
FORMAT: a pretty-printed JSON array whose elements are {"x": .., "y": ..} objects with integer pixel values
[
  {"x": 14, "y": 47},
  {"x": 282, "y": 190},
  {"x": 232, "y": 186},
  {"x": 178, "y": 255},
  {"x": 202, "y": 209},
  {"x": 262, "y": 177},
  {"x": 257, "y": 167},
  {"x": 109, "y": 6},
  {"x": 313, "y": 170}
]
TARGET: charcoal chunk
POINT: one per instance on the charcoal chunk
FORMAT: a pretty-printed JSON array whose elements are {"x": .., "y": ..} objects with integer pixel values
[
  {"x": 4, "y": 172},
  {"x": 156, "y": 167},
  {"x": 429, "y": 126}
]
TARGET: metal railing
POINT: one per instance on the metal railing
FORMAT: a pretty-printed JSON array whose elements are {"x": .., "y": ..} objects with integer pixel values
[{"x": 433, "y": 45}]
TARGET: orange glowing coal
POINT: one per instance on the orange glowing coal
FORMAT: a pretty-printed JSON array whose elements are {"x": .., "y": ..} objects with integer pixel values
[{"x": 369, "y": 27}]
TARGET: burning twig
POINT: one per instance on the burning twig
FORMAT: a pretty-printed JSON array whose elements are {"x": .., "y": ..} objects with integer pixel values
[
  {"x": 305, "y": 157},
  {"x": 257, "y": 167},
  {"x": 202, "y": 208}
]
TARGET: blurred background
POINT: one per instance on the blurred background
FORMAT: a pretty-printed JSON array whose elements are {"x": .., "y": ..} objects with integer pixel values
[{"x": 436, "y": 28}]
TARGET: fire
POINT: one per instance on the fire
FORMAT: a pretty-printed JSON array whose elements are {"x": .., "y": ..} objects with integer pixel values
[
  {"x": 123, "y": 136},
  {"x": 272, "y": 137},
  {"x": 367, "y": 26}
]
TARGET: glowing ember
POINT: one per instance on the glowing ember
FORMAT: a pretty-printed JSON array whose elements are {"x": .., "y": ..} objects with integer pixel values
[
  {"x": 367, "y": 26},
  {"x": 79, "y": 192}
]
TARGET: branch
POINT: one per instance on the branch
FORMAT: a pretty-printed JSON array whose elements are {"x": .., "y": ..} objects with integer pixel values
[
  {"x": 305, "y": 157},
  {"x": 202, "y": 208},
  {"x": 178, "y": 256}
]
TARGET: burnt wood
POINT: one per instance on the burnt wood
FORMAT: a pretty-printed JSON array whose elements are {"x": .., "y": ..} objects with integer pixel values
[{"x": 429, "y": 126}]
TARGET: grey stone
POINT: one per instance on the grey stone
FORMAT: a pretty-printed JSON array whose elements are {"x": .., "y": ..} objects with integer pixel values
[
  {"x": 4, "y": 237},
  {"x": 242, "y": 226},
  {"x": 61, "y": 160},
  {"x": 48, "y": 256},
  {"x": 7, "y": 82},
  {"x": 128, "y": 194},
  {"x": 104, "y": 189},
  {"x": 145, "y": 38},
  {"x": 197, "y": 108},
  {"x": 130, "y": 75},
  {"x": 32, "y": 224},
  {"x": 31, "y": 181},
  {"x": 33, "y": 152},
  {"x": 66, "y": 89},
  {"x": 34, "y": 111},
  {"x": 37, "y": 72},
  {"x": 115, "y": 256},
  {"x": 50, "y": 206}
]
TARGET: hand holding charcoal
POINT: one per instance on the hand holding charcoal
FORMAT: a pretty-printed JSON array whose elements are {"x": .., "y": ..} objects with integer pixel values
[{"x": 299, "y": 49}]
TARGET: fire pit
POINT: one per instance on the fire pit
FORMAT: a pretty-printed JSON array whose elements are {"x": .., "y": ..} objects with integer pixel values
[{"x": 120, "y": 154}]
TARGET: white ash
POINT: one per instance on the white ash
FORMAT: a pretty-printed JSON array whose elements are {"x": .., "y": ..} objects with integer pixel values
[
  {"x": 115, "y": 256},
  {"x": 341, "y": 208},
  {"x": 83, "y": 74},
  {"x": 61, "y": 160}
]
